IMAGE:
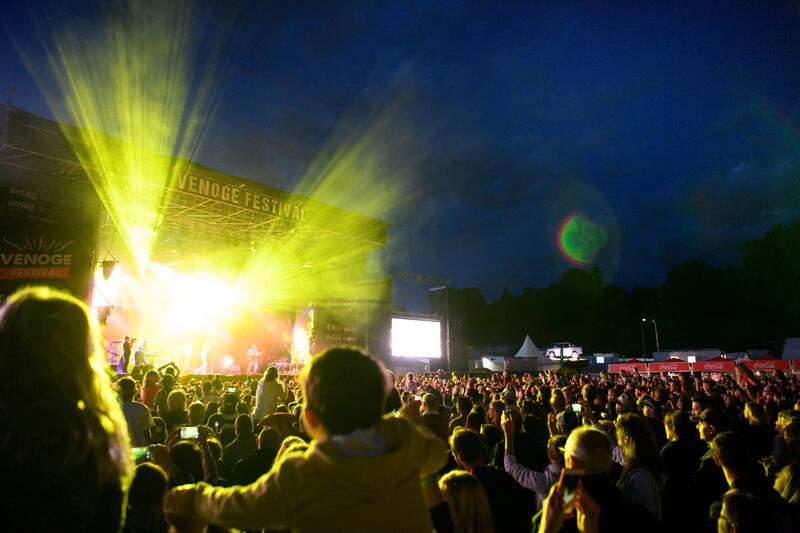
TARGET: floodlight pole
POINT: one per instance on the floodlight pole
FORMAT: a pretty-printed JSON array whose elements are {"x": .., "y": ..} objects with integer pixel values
[
  {"x": 655, "y": 327},
  {"x": 644, "y": 347}
]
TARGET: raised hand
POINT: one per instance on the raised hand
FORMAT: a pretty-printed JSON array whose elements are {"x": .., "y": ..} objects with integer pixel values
[
  {"x": 587, "y": 510},
  {"x": 553, "y": 508}
]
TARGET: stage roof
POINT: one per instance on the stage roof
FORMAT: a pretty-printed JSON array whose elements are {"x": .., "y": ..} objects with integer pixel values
[{"x": 204, "y": 210}]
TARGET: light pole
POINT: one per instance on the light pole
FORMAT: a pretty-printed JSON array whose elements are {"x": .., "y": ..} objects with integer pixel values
[
  {"x": 655, "y": 327},
  {"x": 644, "y": 348}
]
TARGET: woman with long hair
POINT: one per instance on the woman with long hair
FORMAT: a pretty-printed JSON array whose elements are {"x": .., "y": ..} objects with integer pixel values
[
  {"x": 271, "y": 391},
  {"x": 63, "y": 440},
  {"x": 746, "y": 380},
  {"x": 467, "y": 501},
  {"x": 641, "y": 463},
  {"x": 150, "y": 388}
]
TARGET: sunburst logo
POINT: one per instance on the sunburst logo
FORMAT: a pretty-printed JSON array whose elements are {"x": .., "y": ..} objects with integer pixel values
[
  {"x": 35, "y": 259},
  {"x": 39, "y": 246}
]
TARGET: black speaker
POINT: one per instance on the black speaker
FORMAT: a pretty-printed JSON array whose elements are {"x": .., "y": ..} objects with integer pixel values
[{"x": 460, "y": 311}]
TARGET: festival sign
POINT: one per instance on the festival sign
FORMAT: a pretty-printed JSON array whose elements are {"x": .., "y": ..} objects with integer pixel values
[
  {"x": 616, "y": 368},
  {"x": 247, "y": 198},
  {"x": 714, "y": 366},
  {"x": 48, "y": 232},
  {"x": 768, "y": 364},
  {"x": 671, "y": 366}
]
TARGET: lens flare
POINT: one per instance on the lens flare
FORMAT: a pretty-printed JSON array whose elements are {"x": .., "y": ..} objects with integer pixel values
[{"x": 579, "y": 239}]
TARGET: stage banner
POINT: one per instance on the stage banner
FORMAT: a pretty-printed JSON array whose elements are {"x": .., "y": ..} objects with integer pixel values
[
  {"x": 768, "y": 364},
  {"x": 360, "y": 316},
  {"x": 714, "y": 366},
  {"x": 669, "y": 367},
  {"x": 616, "y": 368},
  {"x": 339, "y": 321},
  {"x": 48, "y": 233}
]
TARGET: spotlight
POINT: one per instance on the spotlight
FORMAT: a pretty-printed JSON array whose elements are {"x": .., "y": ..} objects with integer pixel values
[{"x": 108, "y": 268}]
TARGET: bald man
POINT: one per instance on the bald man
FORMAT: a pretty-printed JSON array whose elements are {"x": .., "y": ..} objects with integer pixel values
[{"x": 585, "y": 498}]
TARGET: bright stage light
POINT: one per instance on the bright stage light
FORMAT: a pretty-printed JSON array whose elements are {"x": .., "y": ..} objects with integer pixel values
[
  {"x": 227, "y": 363},
  {"x": 169, "y": 307},
  {"x": 191, "y": 302},
  {"x": 106, "y": 290},
  {"x": 302, "y": 347}
]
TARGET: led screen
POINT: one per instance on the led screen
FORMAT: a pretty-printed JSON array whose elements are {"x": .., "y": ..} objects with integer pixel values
[{"x": 416, "y": 338}]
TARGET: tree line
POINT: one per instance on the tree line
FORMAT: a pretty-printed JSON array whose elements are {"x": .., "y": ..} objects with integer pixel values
[{"x": 752, "y": 305}]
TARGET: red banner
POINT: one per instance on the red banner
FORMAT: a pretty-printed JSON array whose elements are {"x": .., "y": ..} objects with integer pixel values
[
  {"x": 35, "y": 273},
  {"x": 671, "y": 366},
  {"x": 616, "y": 368},
  {"x": 768, "y": 364},
  {"x": 714, "y": 366}
]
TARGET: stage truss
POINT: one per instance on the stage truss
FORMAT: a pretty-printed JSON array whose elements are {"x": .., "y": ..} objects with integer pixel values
[{"x": 190, "y": 221}]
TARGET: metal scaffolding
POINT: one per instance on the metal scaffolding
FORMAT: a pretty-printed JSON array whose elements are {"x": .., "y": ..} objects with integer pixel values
[{"x": 189, "y": 221}]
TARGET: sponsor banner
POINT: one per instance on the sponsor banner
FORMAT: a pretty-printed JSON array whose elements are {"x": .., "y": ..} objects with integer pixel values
[
  {"x": 714, "y": 366},
  {"x": 672, "y": 366},
  {"x": 616, "y": 368},
  {"x": 768, "y": 364}
]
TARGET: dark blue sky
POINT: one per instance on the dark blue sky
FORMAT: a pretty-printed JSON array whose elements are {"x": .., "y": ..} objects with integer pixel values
[{"x": 675, "y": 125}]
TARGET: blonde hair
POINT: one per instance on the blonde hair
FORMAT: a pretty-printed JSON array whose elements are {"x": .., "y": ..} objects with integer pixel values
[
  {"x": 754, "y": 414},
  {"x": 788, "y": 483},
  {"x": 56, "y": 399},
  {"x": 467, "y": 501}
]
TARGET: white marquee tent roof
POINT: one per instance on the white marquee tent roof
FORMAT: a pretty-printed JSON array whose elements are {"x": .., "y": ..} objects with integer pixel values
[{"x": 529, "y": 349}]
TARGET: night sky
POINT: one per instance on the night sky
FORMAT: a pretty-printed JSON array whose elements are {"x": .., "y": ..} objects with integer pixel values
[{"x": 673, "y": 126}]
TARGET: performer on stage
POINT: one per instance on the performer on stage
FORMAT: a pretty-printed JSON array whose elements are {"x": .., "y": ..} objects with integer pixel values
[
  {"x": 252, "y": 359},
  {"x": 113, "y": 356},
  {"x": 126, "y": 353},
  {"x": 204, "y": 353},
  {"x": 140, "y": 354}
]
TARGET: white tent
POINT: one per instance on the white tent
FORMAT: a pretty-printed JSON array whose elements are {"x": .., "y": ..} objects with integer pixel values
[{"x": 529, "y": 349}]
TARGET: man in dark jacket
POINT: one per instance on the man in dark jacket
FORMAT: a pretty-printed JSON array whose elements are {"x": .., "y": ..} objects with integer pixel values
[
  {"x": 258, "y": 463},
  {"x": 511, "y": 505},
  {"x": 743, "y": 473},
  {"x": 709, "y": 480},
  {"x": 680, "y": 458}
]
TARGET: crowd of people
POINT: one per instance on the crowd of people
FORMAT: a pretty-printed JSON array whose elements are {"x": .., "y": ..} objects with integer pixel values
[{"x": 347, "y": 446}]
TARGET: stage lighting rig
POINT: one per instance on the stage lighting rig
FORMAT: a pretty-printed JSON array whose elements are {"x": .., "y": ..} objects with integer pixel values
[{"x": 108, "y": 268}]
